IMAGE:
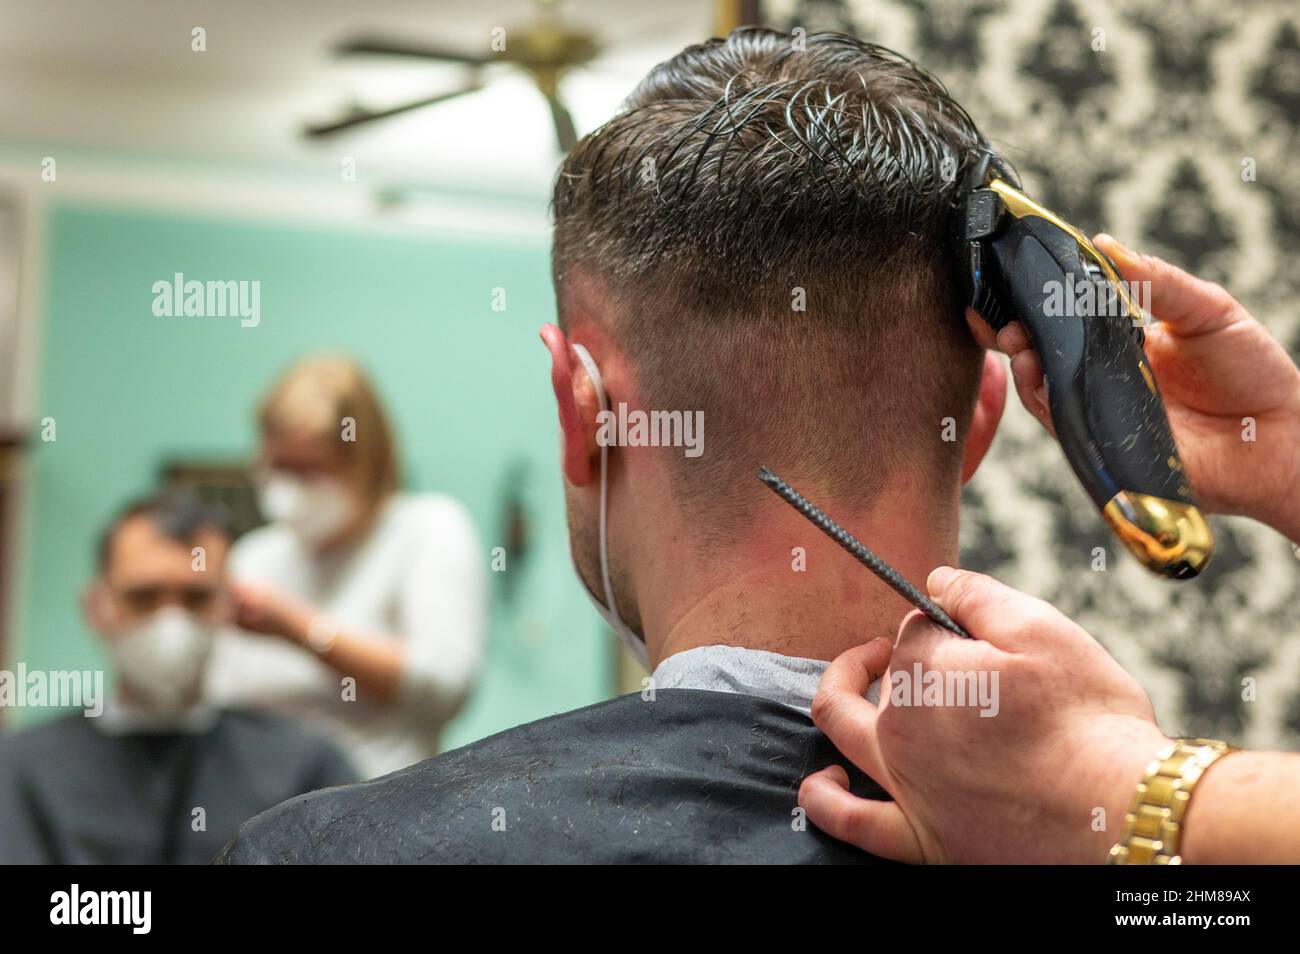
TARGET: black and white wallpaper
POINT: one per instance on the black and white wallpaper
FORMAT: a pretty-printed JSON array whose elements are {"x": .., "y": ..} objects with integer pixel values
[{"x": 1137, "y": 117}]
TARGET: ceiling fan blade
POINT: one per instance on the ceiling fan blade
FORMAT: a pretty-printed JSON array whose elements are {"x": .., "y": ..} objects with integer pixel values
[
  {"x": 357, "y": 119},
  {"x": 565, "y": 133},
  {"x": 378, "y": 47}
]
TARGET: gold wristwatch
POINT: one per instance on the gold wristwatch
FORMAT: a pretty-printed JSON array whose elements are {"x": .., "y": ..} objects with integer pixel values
[{"x": 1153, "y": 827}]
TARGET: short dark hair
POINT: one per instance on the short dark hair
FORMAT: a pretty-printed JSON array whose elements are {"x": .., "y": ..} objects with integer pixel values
[
  {"x": 176, "y": 512},
  {"x": 744, "y": 169}
]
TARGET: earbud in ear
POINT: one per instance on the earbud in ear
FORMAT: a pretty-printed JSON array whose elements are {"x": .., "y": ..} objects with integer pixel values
[{"x": 593, "y": 372}]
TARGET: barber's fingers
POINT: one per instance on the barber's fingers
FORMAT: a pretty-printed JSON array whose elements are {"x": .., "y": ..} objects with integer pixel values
[
  {"x": 879, "y": 828},
  {"x": 1027, "y": 373},
  {"x": 1009, "y": 339},
  {"x": 1013, "y": 339},
  {"x": 1188, "y": 305},
  {"x": 981, "y": 330},
  {"x": 841, "y": 710},
  {"x": 1026, "y": 370},
  {"x": 995, "y": 613}
]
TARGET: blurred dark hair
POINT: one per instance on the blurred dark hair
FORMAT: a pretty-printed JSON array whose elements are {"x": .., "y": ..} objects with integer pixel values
[
  {"x": 176, "y": 512},
  {"x": 744, "y": 169}
]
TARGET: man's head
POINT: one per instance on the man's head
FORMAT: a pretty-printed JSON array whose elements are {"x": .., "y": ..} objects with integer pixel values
[
  {"x": 766, "y": 234},
  {"x": 328, "y": 459},
  {"x": 159, "y": 594}
]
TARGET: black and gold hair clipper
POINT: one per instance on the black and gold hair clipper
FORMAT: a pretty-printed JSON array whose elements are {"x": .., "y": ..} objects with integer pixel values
[{"x": 1025, "y": 263}]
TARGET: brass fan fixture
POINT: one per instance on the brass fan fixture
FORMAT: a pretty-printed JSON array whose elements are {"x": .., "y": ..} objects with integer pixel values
[{"x": 544, "y": 48}]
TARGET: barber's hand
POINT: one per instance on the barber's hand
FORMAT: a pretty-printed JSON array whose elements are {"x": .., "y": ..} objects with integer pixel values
[
  {"x": 1072, "y": 734},
  {"x": 260, "y": 609},
  {"x": 1215, "y": 365}
]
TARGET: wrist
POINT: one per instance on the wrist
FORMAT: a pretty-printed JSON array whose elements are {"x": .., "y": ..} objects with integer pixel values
[
  {"x": 1282, "y": 512},
  {"x": 1284, "y": 517},
  {"x": 1155, "y": 825},
  {"x": 1281, "y": 509},
  {"x": 297, "y": 627},
  {"x": 1125, "y": 765},
  {"x": 1204, "y": 842}
]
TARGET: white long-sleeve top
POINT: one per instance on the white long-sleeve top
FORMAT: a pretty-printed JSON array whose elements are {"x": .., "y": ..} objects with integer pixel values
[{"x": 418, "y": 576}]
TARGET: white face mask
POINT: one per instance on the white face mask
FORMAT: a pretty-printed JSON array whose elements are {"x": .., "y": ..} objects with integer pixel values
[
  {"x": 315, "y": 510},
  {"x": 609, "y": 611},
  {"x": 162, "y": 657}
]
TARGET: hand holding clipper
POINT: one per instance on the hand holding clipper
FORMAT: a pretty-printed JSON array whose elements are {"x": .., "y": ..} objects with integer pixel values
[{"x": 1025, "y": 263}]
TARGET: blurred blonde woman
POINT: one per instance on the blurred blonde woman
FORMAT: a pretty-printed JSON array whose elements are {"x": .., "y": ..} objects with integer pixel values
[{"x": 363, "y": 608}]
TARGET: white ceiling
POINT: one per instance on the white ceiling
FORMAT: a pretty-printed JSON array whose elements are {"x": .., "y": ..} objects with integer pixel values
[{"x": 114, "y": 78}]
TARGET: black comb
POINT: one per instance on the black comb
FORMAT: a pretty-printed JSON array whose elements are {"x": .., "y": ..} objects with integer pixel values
[{"x": 864, "y": 556}]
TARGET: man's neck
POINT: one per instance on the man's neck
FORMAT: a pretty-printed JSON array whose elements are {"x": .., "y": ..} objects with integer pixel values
[
  {"x": 789, "y": 589},
  {"x": 126, "y": 713}
]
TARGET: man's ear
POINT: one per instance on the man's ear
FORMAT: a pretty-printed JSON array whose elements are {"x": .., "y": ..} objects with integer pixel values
[
  {"x": 578, "y": 404},
  {"x": 989, "y": 406},
  {"x": 97, "y": 606}
]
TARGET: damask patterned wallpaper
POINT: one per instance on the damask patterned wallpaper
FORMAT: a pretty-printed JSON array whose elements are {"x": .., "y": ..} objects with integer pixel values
[{"x": 1137, "y": 117}]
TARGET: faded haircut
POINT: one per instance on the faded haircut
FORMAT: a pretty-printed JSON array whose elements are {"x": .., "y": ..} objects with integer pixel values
[{"x": 739, "y": 175}]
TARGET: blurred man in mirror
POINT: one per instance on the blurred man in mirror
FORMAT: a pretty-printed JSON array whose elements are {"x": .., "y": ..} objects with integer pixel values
[{"x": 159, "y": 776}]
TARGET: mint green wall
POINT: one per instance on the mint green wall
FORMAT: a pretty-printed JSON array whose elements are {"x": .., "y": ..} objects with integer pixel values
[{"x": 468, "y": 388}]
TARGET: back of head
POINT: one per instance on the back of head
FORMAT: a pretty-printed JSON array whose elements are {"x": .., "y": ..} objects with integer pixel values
[{"x": 767, "y": 233}]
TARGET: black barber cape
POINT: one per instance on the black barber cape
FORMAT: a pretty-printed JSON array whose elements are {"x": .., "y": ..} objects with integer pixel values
[
  {"x": 692, "y": 776},
  {"x": 72, "y": 794}
]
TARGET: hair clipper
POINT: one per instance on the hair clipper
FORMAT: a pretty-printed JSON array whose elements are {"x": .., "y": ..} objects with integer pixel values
[{"x": 1025, "y": 263}]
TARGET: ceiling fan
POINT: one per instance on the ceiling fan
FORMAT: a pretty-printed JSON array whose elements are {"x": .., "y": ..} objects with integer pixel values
[{"x": 544, "y": 48}]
